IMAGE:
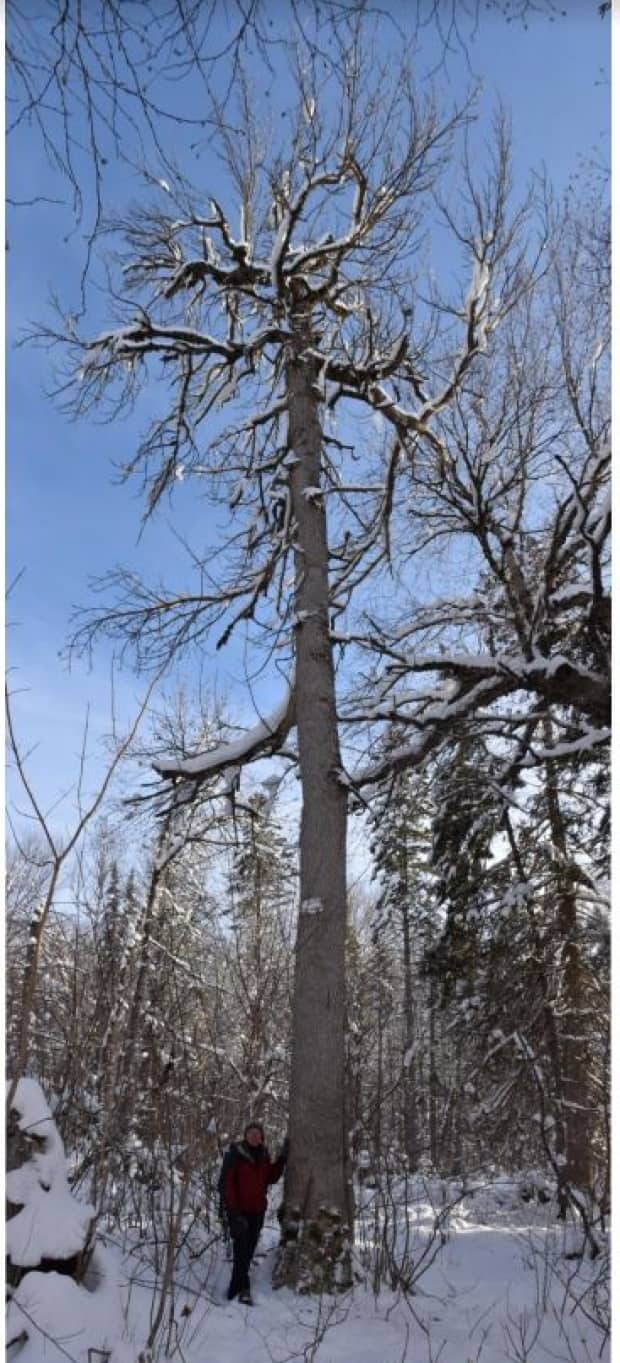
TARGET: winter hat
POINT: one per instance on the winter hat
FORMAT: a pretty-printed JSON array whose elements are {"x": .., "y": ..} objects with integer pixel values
[{"x": 257, "y": 1126}]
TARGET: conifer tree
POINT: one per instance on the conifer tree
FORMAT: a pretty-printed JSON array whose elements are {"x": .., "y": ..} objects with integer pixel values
[
  {"x": 401, "y": 848},
  {"x": 262, "y": 891}
]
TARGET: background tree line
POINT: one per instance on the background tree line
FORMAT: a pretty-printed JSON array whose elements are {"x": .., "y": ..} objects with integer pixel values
[{"x": 477, "y": 997}]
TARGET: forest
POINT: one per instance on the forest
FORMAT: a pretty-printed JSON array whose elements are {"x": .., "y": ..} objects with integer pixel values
[{"x": 346, "y": 344}]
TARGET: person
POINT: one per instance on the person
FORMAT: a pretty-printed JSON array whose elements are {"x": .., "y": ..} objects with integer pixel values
[{"x": 246, "y": 1174}]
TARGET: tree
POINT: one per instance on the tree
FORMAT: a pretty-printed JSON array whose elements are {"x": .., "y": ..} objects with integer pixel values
[
  {"x": 519, "y": 883},
  {"x": 401, "y": 849},
  {"x": 52, "y": 864},
  {"x": 522, "y": 489},
  {"x": 26, "y": 876},
  {"x": 521, "y": 668},
  {"x": 262, "y": 893},
  {"x": 293, "y": 319},
  {"x": 457, "y": 21},
  {"x": 47, "y": 1228},
  {"x": 125, "y": 69}
]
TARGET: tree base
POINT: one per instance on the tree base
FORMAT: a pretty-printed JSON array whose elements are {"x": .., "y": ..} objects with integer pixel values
[{"x": 314, "y": 1255}]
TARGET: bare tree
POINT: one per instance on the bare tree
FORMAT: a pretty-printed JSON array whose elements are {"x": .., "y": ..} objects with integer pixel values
[
  {"x": 118, "y": 70},
  {"x": 58, "y": 852},
  {"x": 522, "y": 486},
  {"x": 125, "y": 77},
  {"x": 309, "y": 311}
]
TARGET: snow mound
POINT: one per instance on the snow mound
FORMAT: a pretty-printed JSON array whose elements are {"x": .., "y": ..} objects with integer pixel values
[
  {"x": 51, "y": 1224},
  {"x": 62, "y": 1320},
  {"x": 56, "y": 1318}
]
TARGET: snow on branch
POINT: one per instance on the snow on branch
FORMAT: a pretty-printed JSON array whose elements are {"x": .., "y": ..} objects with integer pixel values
[
  {"x": 481, "y": 680},
  {"x": 584, "y": 743},
  {"x": 265, "y": 738},
  {"x": 558, "y": 679}
]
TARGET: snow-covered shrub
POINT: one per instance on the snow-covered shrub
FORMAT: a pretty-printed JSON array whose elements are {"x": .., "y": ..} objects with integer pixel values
[
  {"x": 50, "y": 1313},
  {"x": 48, "y": 1227}
]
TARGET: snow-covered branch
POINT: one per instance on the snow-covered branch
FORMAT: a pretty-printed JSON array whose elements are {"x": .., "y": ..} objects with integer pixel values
[{"x": 265, "y": 739}]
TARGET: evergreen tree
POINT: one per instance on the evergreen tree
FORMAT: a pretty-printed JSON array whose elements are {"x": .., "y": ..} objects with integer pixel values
[
  {"x": 406, "y": 911},
  {"x": 262, "y": 889}
]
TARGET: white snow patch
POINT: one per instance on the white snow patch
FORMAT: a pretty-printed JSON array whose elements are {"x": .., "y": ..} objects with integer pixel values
[
  {"x": 64, "y": 1320},
  {"x": 52, "y": 1223},
  {"x": 312, "y": 906}
]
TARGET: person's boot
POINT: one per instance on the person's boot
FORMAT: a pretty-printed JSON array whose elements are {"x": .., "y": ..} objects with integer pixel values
[
  {"x": 232, "y": 1292},
  {"x": 245, "y": 1296}
]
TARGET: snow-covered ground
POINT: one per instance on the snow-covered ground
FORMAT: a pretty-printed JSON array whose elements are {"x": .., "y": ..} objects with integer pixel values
[{"x": 498, "y": 1287}]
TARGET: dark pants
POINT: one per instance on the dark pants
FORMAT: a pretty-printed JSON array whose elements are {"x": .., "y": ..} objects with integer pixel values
[{"x": 245, "y": 1231}]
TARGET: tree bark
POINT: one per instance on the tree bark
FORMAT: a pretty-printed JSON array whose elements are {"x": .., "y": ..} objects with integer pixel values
[
  {"x": 432, "y": 1078},
  {"x": 410, "y": 1114},
  {"x": 314, "y": 1254},
  {"x": 576, "y": 1062}
]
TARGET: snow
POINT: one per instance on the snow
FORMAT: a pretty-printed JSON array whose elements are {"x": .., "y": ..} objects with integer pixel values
[
  {"x": 488, "y": 1268},
  {"x": 51, "y": 1224},
  {"x": 29, "y": 1101},
  {"x": 276, "y": 254},
  {"x": 228, "y": 754},
  {"x": 68, "y": 1321},
  {"x": 227, "y": 391},
  {"x": 479, "y": 284},
  {"x": 589, "y": 739},
  {"x": 312, "y": 906},
  {"x": 598, "y": 522},
  {"x": 55, "y": 1302},
  {"x": 512, "y": 664}
]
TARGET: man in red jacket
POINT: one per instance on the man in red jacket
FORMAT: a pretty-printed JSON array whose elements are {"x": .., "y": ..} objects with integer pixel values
[{"x": 248, "y": 1171}]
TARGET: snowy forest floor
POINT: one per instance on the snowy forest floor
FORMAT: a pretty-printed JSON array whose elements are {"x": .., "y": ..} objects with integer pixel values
[{"x": 496, "y": 1287}]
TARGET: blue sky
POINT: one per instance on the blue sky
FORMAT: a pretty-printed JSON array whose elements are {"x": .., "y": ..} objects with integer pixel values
[{"x": 68, "y": 519}]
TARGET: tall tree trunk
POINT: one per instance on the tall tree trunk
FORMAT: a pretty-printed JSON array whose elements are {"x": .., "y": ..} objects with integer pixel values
[
  {"x": 314, "y": 1254},
  {"x": 457, "y": 1163},
  {"x": 379, "y": 1090},
  {"x": 573, "y": 1007},
  {"x": 409, "y": 1097},
  {"x": 552, "y": 1093},
  {"x": 432, "y": 1078}
]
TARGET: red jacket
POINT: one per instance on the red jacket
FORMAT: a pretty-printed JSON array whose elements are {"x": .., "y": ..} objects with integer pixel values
[{"x": 247, "y": 1179}]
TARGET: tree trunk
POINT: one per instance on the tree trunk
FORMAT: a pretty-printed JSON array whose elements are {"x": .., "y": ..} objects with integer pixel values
[
  {"x": 314, "y": 1254},
  {"x": 378, "y": 1123},
  {"x": 551, "y": 1096},
  {"x": 409, "y": 1096},
  {"x": 576, "y": 1062},
  {"x": 432, "y": 1078}
]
